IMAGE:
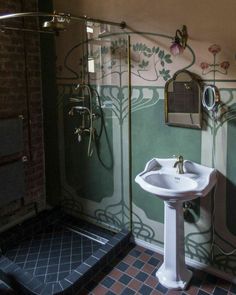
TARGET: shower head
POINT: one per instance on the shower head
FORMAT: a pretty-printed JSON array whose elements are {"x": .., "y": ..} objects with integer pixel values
[
  {"x": 58, "y": 22},
  {"x": 54, "y": 25}
]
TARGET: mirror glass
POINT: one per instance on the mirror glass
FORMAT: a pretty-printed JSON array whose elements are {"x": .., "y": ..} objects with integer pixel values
[
  {"x": 183, "y": 100},
  {"x": 210, "y": 97}
]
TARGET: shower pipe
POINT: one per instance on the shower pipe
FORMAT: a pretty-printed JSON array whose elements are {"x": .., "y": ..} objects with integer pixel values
[
  {"x": 67, "y": 18},
  {"x": 90, "y": 111}
]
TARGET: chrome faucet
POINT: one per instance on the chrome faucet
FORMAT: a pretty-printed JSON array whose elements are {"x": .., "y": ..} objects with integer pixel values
[{"x": 180, "y": 165}]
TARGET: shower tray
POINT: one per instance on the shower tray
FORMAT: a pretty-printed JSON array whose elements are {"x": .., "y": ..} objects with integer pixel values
[{"x": 54, "y": 253}]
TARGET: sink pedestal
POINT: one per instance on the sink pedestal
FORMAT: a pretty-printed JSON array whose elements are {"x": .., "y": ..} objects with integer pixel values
[{"x": 173, "y": 273}]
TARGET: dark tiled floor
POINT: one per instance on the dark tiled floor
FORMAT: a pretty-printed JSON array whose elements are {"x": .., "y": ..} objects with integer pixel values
[
  {"x": 134, "y": 273},
  {"x": 53, "y": 254}
]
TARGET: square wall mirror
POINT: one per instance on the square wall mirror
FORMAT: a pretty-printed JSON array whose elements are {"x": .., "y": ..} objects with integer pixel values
[{"x": 183, "y": 100}]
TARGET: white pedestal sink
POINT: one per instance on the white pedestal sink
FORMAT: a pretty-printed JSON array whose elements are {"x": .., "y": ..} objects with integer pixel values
[{"x": 160, "y": 178}]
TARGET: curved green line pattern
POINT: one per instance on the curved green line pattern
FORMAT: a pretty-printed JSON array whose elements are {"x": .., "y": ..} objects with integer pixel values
[{"x": 152, "y": 58}]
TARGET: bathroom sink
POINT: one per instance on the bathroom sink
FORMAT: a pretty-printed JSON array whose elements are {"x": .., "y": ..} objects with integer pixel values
[
  {"x": 161, "y": 179},
  {"x": 170, "y": 181}
]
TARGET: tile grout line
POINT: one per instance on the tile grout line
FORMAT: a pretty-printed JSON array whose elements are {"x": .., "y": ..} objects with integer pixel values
[{"x": 49, "y": 254}]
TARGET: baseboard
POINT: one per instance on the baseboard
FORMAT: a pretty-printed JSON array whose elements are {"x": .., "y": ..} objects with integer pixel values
[{"x": 193, "y": 263}]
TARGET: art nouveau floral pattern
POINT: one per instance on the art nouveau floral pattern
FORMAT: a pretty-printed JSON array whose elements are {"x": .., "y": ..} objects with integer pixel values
[{"x": 151, "y": 63}]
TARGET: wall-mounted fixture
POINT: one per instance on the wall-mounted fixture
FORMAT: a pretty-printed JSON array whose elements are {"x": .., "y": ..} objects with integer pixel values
[
  {"x": 211, "y": 100},
  {"x": 57, "y": 23},
  {"x": 180, "y": 41},
  {"x": 183, "y": 100}
]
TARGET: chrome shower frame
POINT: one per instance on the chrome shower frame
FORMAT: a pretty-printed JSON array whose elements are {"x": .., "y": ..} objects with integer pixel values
[{"x": 60, "y": 17}]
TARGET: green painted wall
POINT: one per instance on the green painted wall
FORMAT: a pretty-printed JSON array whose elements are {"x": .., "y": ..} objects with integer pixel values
[{"x": 151, "y": 138}]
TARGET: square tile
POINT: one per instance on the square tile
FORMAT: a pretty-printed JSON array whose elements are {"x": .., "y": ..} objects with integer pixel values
[
  {"x": 125, "y": 279},
  {"x": 122, "y": 266},
  {"x": 132, "y": 271},
  {"x": 151, "y": 281},
  {"x": 148, "y": 268},
  {"x": 117, "y": 288},
  {"x": 161, "y": 289},
  {"x": 40, "y": 271},
  {"x": 135, "y": 253},
  {"x": 135, "y": 285},
  {"x": 141, "y": 276},
  {"x": 153, "y": 261},
  {"x": 116, "y": 274},
  {"x": 138, "y": 264},
  {"x": 107, "y": 282},
  {"x": 145, "y": 290}
]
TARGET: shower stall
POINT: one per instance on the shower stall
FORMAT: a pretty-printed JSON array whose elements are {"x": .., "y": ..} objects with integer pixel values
[{"x": 85, "y": 66}]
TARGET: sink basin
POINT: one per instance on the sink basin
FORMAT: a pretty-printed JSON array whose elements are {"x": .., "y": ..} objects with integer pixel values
[
  {"x": 170, "y": 181},
  {"x": 160, "y": 178}
]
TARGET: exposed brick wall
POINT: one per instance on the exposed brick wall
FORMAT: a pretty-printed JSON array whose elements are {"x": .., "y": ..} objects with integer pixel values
[{"x": 20, "y": 94}]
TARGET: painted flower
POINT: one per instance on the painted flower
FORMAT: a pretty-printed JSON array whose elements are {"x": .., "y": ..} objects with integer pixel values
[
  {"x": 176, "y": 49},
  {"x": 204, "y": 65},
  {"x": 225, "y": 65},
  {"x": 214, "y": 49}
]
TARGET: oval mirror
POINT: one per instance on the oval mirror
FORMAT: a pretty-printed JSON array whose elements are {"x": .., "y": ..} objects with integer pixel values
[
  {"x": 183, "y": 100},
  {"x": 210, "y": 97}
]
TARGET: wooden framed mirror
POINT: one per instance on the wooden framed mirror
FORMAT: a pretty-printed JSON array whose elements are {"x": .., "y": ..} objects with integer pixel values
[{"x": 183, "y": 100}]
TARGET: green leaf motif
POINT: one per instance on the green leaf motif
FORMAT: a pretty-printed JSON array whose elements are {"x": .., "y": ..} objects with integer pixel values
[
  {"x": 165, "y": 74},
  {"x": 161, "y": 54},
  {"x": 143, "y": 64},
  {"x": 167, "y": 58}
]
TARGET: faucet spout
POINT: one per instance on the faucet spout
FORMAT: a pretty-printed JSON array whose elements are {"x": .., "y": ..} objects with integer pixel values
[{"x": 179, "y": 164}]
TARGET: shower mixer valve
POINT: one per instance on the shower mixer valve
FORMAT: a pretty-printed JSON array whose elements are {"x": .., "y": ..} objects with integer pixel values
[{"x": 81, "y": 130}]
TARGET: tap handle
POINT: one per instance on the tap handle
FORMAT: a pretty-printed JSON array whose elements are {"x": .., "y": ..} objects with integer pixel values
[{"x": 180, "y": 158}]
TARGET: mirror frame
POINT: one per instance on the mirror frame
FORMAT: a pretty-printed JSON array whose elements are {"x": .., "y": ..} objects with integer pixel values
[
  {"x": 216, "y": 94},
  {"x": 196, "y": 79}
]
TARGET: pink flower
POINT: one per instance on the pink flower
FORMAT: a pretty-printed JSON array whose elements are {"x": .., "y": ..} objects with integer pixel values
[
  {"x": 225, "y": 65},
  {"x": 214, "y": 49},
  {"x": 204, "y": 65},
  {"x": 176, "y": 49}
]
